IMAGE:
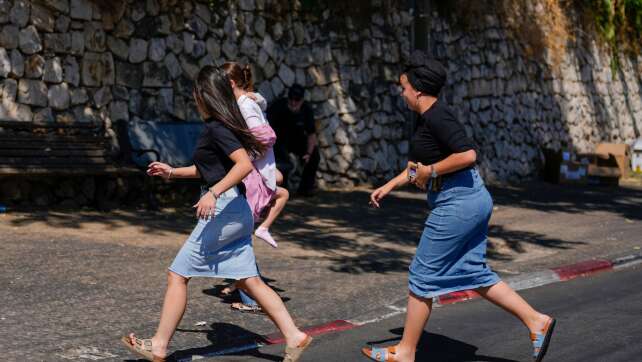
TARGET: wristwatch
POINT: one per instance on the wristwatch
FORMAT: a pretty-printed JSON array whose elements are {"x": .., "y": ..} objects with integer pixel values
[{"x": 214, "y": 194}]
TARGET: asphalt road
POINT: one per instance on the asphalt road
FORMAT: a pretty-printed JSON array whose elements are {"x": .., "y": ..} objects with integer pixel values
[
  {"x": 74, "y": 281},
  {"x": 599, "y": 319}
]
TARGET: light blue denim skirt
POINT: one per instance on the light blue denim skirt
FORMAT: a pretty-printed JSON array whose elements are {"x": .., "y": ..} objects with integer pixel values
[
  {"x": 451, "y": 255},
  {"x": 220, "y": 246}
]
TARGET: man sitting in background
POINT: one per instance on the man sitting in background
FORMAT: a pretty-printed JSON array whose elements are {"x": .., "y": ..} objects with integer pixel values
[{"x": 293, "y": 122}]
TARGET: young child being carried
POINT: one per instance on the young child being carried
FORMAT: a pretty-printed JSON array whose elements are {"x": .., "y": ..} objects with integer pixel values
[{"x": 263, "y": 194}]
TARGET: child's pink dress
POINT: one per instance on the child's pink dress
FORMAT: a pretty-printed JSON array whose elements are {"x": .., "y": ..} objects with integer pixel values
[{"x": 260, "y": 184}]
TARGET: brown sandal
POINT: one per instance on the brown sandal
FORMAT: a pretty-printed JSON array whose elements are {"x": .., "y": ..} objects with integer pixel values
[
  {"x": 292, "y": 354},
  {"x": 386, "y": 354},
  {"x": 141, "y": 347},
  {"x": 244, "y": 308}
]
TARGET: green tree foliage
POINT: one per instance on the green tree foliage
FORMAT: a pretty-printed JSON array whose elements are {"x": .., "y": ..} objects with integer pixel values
[{"x": 619, "y": 22}]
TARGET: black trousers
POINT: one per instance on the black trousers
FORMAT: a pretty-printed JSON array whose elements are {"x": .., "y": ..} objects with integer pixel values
[{"x": 309, "y": 175}]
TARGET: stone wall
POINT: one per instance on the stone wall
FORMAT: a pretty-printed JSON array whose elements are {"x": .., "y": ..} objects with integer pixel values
[
  {"x": 516, "y": 105},
  {"x": 76, "y": 61},
  {"x": 81, "y": 61}
]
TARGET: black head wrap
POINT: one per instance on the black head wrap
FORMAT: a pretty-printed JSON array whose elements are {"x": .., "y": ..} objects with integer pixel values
[{"x": 427, "y": 76}]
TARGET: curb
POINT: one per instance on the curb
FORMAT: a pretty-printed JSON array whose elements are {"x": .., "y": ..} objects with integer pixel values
[
  {"x": 554, "y": 275},
  {"x": 518, "y": 282}
]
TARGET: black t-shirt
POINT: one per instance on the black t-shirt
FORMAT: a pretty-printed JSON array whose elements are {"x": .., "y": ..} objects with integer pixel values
[
  {"x": 292, "y": 129},
  {"x": 211, "y": 156},
  {"x": 438, "y": 136}
]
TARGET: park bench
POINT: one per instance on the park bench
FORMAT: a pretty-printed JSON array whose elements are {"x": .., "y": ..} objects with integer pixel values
[
  {"x": 32, "y": 149},
  {"x": 35, "y": 150}
]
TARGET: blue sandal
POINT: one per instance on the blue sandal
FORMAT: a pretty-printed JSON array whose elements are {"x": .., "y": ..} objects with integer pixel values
[
  {"x": 380, "y": 354},
  {"x": 541, "y": 340}
]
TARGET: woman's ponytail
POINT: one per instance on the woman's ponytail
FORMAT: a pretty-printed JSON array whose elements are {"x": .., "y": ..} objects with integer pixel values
[{"x": 248, "y": 84}]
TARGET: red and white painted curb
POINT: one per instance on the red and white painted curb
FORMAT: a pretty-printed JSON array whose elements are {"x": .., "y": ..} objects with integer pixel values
[
  {"x": 526, "y": 281},
  {"x": 518, "y": 282}
]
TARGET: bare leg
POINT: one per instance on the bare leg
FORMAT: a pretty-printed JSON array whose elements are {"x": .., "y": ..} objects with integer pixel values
[
  {"x": 416, "y": 318},
  {"x": 275, "y": 309},
  {"x": 504, "y": 296},
  {"x": 279, "y": 178},
  {"x": 280, "y": 199},
  {"x": 172, "y": 313}
]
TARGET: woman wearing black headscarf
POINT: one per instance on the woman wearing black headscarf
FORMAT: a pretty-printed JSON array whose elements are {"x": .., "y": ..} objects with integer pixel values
[{"x": 451, "y": 255}]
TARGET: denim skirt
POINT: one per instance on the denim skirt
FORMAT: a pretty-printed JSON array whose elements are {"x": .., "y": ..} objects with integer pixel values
[
  {"x": 220, "y": 246},
  {"x": 451, "y": 255}
]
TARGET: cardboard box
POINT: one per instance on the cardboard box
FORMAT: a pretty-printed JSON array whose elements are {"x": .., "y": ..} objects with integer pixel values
[
  {"x": 620, "y": 151},
  {"x": 587, "y": 168},
  {"x": 602, "y": 169}
]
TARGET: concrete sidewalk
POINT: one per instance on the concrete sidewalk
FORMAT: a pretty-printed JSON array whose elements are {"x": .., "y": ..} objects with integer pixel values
[{"x": 74, "y": 281}]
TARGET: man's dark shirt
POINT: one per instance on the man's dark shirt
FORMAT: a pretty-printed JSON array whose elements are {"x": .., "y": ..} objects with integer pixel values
[{"x": 292, "y": 129}]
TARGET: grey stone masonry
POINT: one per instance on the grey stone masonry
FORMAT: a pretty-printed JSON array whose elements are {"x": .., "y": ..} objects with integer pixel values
[
  {"x": 76, "y": 61},
  {"x": 515, "y": 106},
  {"x": 32, "y": 92},
  {"x": 29, "y": 40}
]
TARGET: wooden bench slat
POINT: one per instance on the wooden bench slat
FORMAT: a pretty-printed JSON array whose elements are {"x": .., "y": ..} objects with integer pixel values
[
  {"x": 32, "y": 125},
  {"x": 53, "y": 146},
  {"x": 62, "y": 170},
  {"x": 53, "y": 161},
  {"x": 53, "y": 152},
  {"x": 57, "y": 139}
]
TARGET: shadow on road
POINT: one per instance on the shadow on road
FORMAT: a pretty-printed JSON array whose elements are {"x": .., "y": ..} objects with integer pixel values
[
  {"x": 436, "y": 347},
  {"x": 216, "y": 291},
  {"x": 223, "y": 334},
  {"x": 351, "y": 237}
]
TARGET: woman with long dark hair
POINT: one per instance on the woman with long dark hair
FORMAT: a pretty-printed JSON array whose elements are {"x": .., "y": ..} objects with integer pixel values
[
  {"x": 451, "y": 255},
  {"x": 220, "y": 245}
]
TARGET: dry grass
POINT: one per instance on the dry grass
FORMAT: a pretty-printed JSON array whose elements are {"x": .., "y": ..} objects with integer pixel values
[{"x": 541, "y": 26}]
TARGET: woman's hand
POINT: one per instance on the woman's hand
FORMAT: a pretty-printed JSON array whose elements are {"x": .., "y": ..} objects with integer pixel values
[
  {"x": 423, "y": 174},
  {"x": 378, "y": 195},
  {"x": 205, "y": 206},
  {"x": 159, "y": 169}
]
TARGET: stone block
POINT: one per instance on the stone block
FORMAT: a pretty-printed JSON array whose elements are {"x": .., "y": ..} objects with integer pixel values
[
  {"x": 81, "y": 10},
  {"x": 17, "y": 64},
  {"x": 29, "y": 40},
  {"x": 19, "y": 12},
  {"x": 57, "y": 42},
  {"x": 59, "y": 97},
  {"x": 95, "y": 37},
  {"x": 155, "y": 75},
  {"x": 32, "y": 92},
  {"x": 53, "y": 70},
  {"x": 9, "y": 37},
  {"x": 129, "y": 75},
  {"x": 42, "y": 18},
  {"x": 98, "y": 69},
  {"x": 137, "y": 50}
]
